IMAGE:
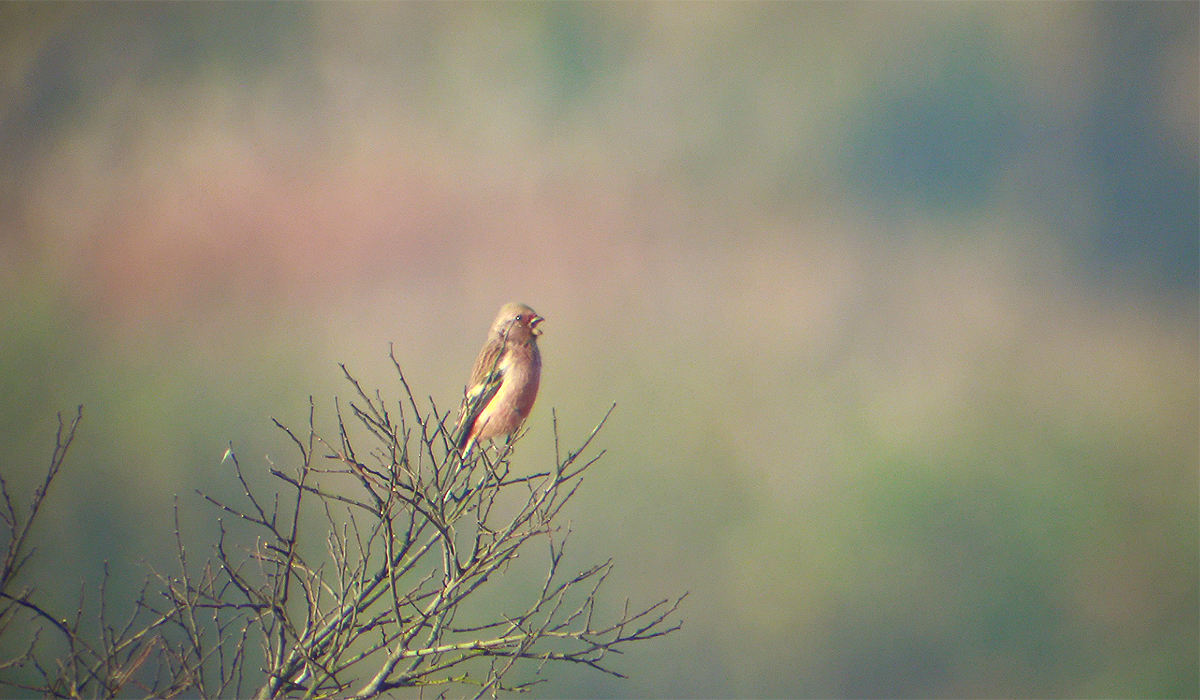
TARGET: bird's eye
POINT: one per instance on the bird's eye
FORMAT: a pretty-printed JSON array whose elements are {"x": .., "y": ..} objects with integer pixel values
[{"x": 518, "y": 318}]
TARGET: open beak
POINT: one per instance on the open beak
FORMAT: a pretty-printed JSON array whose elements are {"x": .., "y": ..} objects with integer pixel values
[{"x": 533, "y": 325}]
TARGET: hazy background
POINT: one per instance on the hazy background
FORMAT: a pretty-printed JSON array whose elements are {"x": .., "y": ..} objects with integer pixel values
[{"x": 898, "y": 303}]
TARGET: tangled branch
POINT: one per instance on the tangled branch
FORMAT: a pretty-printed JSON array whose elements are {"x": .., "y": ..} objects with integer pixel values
[{"x": 368, "y": 570}]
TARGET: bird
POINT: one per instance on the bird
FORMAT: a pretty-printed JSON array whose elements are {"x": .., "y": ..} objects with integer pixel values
[{"x": 504, "y": 381}]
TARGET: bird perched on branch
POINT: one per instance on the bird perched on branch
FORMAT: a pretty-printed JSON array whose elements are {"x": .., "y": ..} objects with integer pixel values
[{"x": 504, "y": 381}]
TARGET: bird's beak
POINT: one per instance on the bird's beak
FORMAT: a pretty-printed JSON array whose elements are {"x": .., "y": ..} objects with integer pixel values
[{"x": 533, "y": 325}]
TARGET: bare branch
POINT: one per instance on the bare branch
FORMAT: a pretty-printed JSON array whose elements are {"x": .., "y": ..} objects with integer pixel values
[{"x": 351, "y": 578}]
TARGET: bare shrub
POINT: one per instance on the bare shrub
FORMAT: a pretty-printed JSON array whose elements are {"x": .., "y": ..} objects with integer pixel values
[{"x": 373, "y": 566}]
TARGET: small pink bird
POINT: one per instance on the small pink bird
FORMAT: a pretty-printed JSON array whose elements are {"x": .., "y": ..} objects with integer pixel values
[{"x": 504, "y": 381}]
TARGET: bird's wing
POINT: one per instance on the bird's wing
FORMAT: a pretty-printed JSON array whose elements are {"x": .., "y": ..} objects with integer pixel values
[
  {"x": 476, "y": 400},
  {"x": 486, "y": 378}
]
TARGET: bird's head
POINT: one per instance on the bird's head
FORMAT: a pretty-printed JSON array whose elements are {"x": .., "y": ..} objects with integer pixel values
[{"x": 517, "y": 323}]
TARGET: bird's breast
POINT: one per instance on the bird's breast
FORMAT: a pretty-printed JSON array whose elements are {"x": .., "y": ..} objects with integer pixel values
[{"x": 522, "y": 369}]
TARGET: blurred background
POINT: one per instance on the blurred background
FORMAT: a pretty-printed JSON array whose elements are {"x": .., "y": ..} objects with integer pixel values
[{"x": 898, "y": 303}]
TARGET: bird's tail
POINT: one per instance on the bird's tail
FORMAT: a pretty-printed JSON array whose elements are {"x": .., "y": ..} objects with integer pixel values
[{"x": 462, "y": 437}]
